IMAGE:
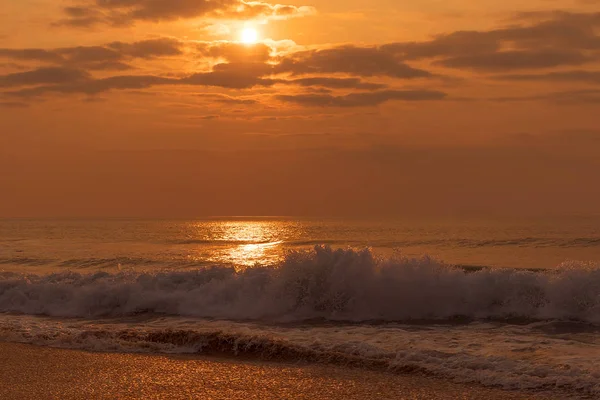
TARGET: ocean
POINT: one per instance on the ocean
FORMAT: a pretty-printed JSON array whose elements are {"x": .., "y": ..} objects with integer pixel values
[{"x": 510, "y": 303}]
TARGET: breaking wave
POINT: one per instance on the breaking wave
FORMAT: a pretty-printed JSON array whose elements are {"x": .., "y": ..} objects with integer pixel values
[{"x": 323, "y": 283}]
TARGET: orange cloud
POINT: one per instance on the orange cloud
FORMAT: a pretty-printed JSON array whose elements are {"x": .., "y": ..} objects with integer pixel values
[
  {"x": 362, "y": 99},
  {"x": 324, "y": 75},
  {"x": 112, "y": 56},
  {"x": 354, "y": 60},
  {"x": 127, "y": 12},
  {"x": 69, "y": 70},
  {"x": 557, "y": 39}
]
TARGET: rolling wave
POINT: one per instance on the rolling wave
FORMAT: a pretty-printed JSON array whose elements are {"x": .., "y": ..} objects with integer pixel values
[
  {"x": 324, "y": 283},
  {"x": 538, "y": 242}
]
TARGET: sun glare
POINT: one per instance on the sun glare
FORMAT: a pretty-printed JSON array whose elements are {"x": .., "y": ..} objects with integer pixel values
[{"x": 249, "y": 36}]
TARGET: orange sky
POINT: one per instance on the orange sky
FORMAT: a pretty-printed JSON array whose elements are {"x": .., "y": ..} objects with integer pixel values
[{"x": 381, "y": 107}]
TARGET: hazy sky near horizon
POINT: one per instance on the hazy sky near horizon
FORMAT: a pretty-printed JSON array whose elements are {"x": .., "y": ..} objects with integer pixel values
[{"x": 381, "y": 107}]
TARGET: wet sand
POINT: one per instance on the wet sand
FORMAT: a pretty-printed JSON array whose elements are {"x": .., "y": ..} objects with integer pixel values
[{"x": 29, "y": 372}]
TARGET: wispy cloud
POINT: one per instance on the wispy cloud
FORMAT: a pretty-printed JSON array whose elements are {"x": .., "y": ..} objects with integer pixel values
[{"x": 127, "y": 12}]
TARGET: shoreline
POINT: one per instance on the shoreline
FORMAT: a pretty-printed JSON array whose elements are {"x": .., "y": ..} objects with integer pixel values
[{"x": 33, "y": 372}]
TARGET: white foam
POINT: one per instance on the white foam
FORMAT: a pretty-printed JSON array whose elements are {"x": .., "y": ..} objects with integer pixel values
[{"x": 322, "y": 283}]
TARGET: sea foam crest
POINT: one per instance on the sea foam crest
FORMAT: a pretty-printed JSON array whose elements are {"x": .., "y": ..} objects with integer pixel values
[{"x": 343, "y": 284}]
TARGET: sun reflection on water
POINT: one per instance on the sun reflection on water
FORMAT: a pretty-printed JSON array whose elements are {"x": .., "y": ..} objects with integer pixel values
[{"x": 240, "y": 243}]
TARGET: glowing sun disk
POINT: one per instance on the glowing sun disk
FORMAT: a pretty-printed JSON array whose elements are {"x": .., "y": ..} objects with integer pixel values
[{"x": 249, "y": 35}]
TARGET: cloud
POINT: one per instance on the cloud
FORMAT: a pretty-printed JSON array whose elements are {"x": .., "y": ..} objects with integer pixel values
[
  {"x": 233, "y": 76},
  {"x": 235, "y": 52},
  {"x": 112, "y": 56},
  {"x": 52, "y": 75},
  {"x": 362, "y": 99},
  {"x": 330, "y": 75},
  {"x": 95, "y": 86},
  {"x": 334, "y": 83},
  {"x": 567, "y": 97},
  {"x": 81, "y": 17},
  {"x": 226, "y": 75},
  {"x": 31, "y": 55},
  {"x": 237, "y": 65},
  {"x": 574, "y": 97},
  {"x": 108, "y": 66},
  {"x": 12, "y": 65},
  {"x": 520, "y": 59},
  {"x": 257, "y": 9},
  {"x": 224, "y": 99},
  {"x": 359, "y": 61},
  {"x": 561, "y": 30},
  {"x": 207, "y": 117},
  {"x": 592, "y": 77},
  {"x": 127, "y": 12},
  {"x": 88, "y": 54},
  {"x": 146, "y": 49},
  {"x": 549, "y": 40},
  {"x": 534, "y": 41},
  {"x": 68, "y": 81},
  {"x": 453, "y": 44}
]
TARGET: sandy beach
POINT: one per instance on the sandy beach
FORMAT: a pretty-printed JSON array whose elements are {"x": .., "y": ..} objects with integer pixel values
[{"x": 31, "y": 372}]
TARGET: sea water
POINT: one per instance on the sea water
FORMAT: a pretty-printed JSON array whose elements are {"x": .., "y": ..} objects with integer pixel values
[{"x": 509, "y": 303}]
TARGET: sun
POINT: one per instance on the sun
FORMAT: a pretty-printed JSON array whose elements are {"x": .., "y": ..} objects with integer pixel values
[{"x": 249, "y": 35}]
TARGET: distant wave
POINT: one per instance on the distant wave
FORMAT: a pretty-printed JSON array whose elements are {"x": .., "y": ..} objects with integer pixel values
[
  {"x": 537, "y": 242},
  {"x": 341, "y": 284},
  {"x": 27, "y": 261},
  {"x": 216, "y": 242},
  {"x": 452, "y": 242},
  {"x": 460, "y": 242},
  {"x": 98, "y": 262}
]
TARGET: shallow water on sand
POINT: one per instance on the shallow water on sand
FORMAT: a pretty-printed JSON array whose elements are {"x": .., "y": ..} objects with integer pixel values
[
  {"x": 73, "y": 375},
  {"x": 541, "y": 357}
]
